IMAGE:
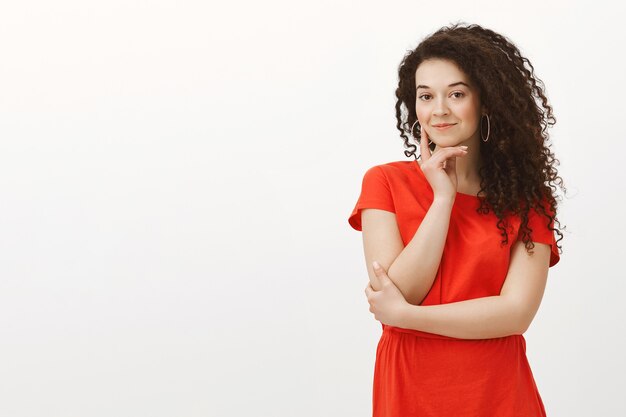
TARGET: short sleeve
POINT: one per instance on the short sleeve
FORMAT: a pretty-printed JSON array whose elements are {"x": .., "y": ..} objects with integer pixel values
[
  {"x": 541, "y": 233},
  {"x": 375, "y": 193}
]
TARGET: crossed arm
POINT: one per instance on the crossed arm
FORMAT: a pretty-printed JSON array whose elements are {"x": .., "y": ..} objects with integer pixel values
[
  {"x": 506, "y": 314},
  {"x": 502, "y": 315}
]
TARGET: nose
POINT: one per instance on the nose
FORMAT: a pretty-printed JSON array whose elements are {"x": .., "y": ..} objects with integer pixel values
[{"x": 440, "y": 108}]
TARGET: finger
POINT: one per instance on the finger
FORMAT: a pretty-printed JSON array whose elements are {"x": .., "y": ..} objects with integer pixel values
[
  {"x": 445, "y": 154},
  {"x": 381, "y": 274},
  {"x": 377, "y": 268},
  {"x": 424, "y": 149},
  {"x": 450, "y": 166}
]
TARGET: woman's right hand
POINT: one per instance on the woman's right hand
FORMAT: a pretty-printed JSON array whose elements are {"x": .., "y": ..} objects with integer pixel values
[{"x": 439, "y": 168}]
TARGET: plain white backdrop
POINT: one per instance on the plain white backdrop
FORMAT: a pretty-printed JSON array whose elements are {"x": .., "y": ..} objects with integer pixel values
[{"x": 176, "y": 179}]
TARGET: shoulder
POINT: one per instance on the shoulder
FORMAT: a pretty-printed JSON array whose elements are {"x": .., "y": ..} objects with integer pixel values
[
  {"x": 540, "y": 227},
  {"x": 393, "y": 170},
  {"x": 397, "y": 165},
  {"x": 387, "y": 182}
]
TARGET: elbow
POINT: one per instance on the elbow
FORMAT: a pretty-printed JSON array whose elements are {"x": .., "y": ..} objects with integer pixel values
[
  {"x": 519, "y": 313},
  {"x": 415, "y": 300},
  {"x": 523, "y": 320},
  {"x": 522, "y": 328},
  {"x": 411, "y": 293},
  {"x": 412, "y": 290},
  {"x": 414, "y": 295},
  {"x": 518, "y": 319}
]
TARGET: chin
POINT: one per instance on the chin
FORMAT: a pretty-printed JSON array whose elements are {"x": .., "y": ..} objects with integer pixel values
[
  {"x": 443, "y": 141},
  {"x": 447, "y": 142}
]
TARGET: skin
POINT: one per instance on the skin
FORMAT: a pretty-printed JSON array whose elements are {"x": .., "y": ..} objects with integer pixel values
[
  {"x": 459, "y": 104},
  {"x": 387, "y": 304},
  {"x": 503, "y": 315},
  {"x": 451, "y": 169}
]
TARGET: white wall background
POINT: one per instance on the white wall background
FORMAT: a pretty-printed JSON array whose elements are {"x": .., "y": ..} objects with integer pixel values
[{"x": 175, "y": 183}]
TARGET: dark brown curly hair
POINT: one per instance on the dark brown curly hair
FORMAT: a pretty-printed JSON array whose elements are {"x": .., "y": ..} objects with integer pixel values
[{"x": 518, "y": 171}]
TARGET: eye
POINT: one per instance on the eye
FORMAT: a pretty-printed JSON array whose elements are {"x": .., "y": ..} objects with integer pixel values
[{"x": 456, "y": 92}]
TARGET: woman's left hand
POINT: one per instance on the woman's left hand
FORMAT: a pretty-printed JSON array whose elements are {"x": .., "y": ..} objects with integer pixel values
[{"x": 388, "y": 305}]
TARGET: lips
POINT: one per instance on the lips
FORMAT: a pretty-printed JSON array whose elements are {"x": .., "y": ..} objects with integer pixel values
[{"x": 444, "y": 124}]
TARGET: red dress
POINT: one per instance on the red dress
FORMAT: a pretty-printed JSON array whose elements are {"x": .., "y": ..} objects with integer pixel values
[{"x": 430, "y": 375}]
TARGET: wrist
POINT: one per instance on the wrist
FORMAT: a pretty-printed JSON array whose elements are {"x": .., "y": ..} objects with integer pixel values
[
  {"x": 443, "y": 202},
  {"x": 408, "y": 312}
]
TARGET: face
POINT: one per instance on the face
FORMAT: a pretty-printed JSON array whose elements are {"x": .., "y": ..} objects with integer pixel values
[{"x": 439, "y": 99}]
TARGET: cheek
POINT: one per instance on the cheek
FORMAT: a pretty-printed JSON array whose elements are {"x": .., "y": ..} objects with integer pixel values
[
  {"x": 467, "y": 112},
  {"x": 469, "y": 116},
  {"x": 422, "y": 115}
]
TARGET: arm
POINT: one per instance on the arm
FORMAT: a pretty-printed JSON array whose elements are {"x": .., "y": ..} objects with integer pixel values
[
  {"x": 412, "y": 268},
  {"x": 506, "y": 314}
]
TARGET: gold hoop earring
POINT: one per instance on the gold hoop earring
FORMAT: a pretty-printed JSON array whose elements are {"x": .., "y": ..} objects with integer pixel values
[
  {"x": 413, "y": 136},
  {"x": 488, "y": 128}
]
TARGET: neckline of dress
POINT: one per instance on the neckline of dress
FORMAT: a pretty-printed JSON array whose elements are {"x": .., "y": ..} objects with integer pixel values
[{"x": 458, "y": 194}]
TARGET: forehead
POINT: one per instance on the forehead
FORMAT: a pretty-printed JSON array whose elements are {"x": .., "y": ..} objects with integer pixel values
[{"x": 438, "y": 73}]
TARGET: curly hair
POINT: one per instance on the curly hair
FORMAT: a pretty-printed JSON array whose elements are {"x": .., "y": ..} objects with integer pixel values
[{"x": 518, "y": 172}]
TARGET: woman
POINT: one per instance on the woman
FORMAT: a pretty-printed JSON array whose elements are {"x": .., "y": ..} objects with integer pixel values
[{"x": 464, "y": 237}]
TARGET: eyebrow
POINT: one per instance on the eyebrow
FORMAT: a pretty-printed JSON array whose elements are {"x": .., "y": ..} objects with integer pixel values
[{"x": 451, "y": 85}]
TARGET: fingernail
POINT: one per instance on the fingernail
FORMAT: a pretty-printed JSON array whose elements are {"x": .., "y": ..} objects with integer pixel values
[
  {"x": 376, "y": 265},
  {"x": 463, "y": 146}
]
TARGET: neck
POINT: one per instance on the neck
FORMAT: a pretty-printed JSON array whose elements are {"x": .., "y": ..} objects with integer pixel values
[{"x": 467, "y": 166}]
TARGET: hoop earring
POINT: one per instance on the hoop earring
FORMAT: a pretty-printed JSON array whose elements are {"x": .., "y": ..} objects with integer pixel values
[
  {"x": 429, "y": 141},
  {"x": 488, "y": 128}
]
